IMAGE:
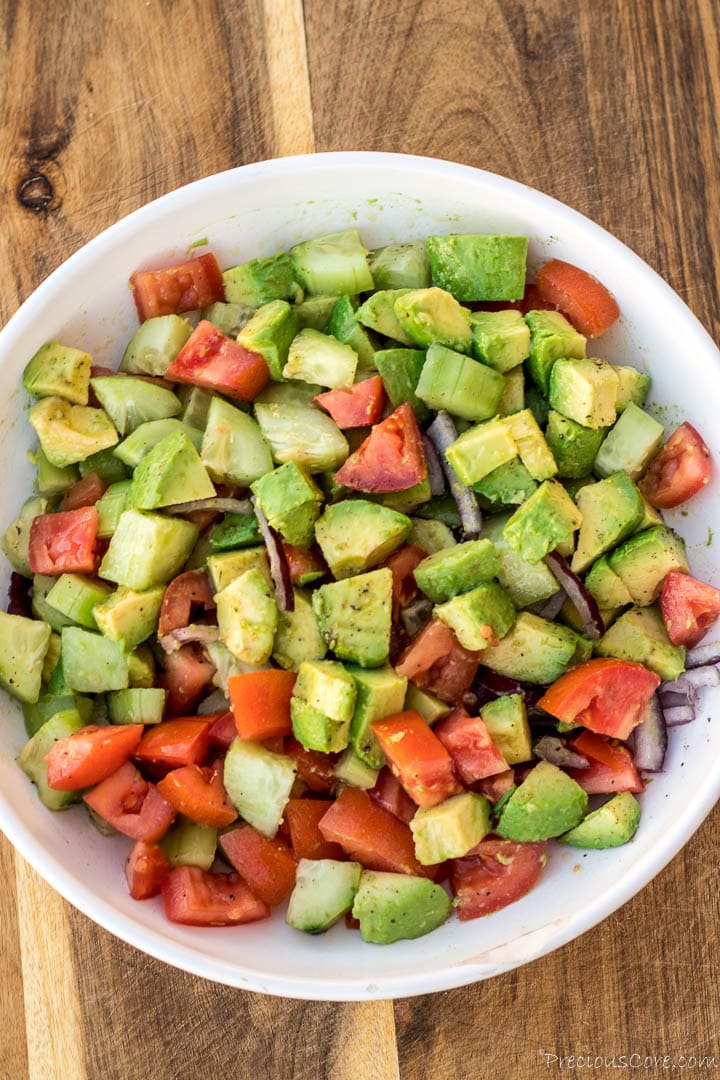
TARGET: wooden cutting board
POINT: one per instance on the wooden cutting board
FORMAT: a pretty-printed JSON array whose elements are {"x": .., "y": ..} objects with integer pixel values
[{"x": 612, "y": 107}]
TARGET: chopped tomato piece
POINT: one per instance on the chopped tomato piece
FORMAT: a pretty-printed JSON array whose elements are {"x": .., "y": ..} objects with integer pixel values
[
  {"x": 305, "y": 564},
  {"x": 359, "y": 406},
  {"x": 261, "y": 703},
  {"x": 313, "y": 768},
  {"x": 532, "y": 301},
  {"x": 370, "y": 834},
  {"x": 403, "y": 563},
  {"x": 146, "y": 868},
  {"x": 607, "y": 696},
  {"x": 392, "y": 796},
  {"x": 223, "y": 730},
  {"x": 689, "y": 608},
  {"x": 173, "y": 743},
  {"x": 184, "y": 679},
  {"x": 131, "y": 804},
  {"x": 89, "y": 755},
  {"x": 494, "y": 874},
  {"x": 64, "y": 543},
  {"x": 199, "y": 793},
  {"x": 266, "y": 865},
  {"x": 390, "y": 459},
  {"x": 599, "y": 748},
  {"x": 193, "y": 897},
  {"x": 680, "y": 469},
  {"x": 184, "y": 595},
  {"x": 603, "y": 779},
  {"x": 417, "y": 757},
  {"x": 436, "y": 661},
  {"x": 216, "y": 362},
  {"x": 468, "y": 741},
  {"x": 587, "y": 303},
  {"x": 85, "y": 492},
  {"x": 302, "y": 817},
  {"x": 494, "y": 787},
  {"x": 174, "y": 289}
]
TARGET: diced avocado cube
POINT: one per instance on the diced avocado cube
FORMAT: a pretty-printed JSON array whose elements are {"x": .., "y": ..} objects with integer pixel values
[
  {"x": 400, "y": 370},
  {"x": 431, "y": 536},
  {"x": 479, "y": 617},
  {"x": 269, "y": 333},
  {"x": 229, "y": 318},
  {"x": 401, "y": 266},
  {"x": 380, "y": 693},
  {"x": 16, "y": 538},
  {"x": 633, "y": 387},
  {"x": 551, "y": 337},
  {"x": 110, "y": 508},
  {"x": 508, "y": 485},
  {"x": 650, "y": 517},
  {"x": 106, "y": 464},
  {"x": 533, "y": 450},
  {"x": 70, "y": 433},
  {"x": 59, "y": 370},
  {"x": 329, "y": 687},
  {"x": 611, "y": 825},
  {"x": 291, "y": 501},
  {"x": 545, "y": 520},
  {"x": 536, "y": 650},
  {"x": 76, "y": 596},
  {"x": 501, "y": 339},
  {"x": 357, "y": 534},
  {"x": 640, "y": 637},
  {"x": 315, "y": 730},
  {"x": 354, "y": 616},
  {"x": 129, "y": 617},
  {"x": 259, "y": 783},
  {"x": 235, "y": 531},
  {"x": 247, "y": 617},
  {"x": 324, "y": 891},
  {"x": 547, "y": 803},
  {"x": 459, "y": 384},
  {"x": 196, "y": 405},
  {"x": 351, "y": 770},
  {"x": 431, "y": 708},
  {"x": 155, "y": 345},
  {"x": 51, "y": 480},
  {"x": 527, "y": 583},
  {"x": 378, "y": 313},
  {"x": 233, "y": 448},
  {"x": 303, "y": 434},
  {"x": 450, "y": 829},
  {"x": 32, "y": 756},
  {"x": 315, "y": 357},
  {"x": 513, "y": 398},
  {"x": 259, "y": 281},
  {"x": 145, "y": 438},
  {"x": 408, "y": 500},
  {"x": 171, "y": 473},
  {"x": 611, "y": 510},
  {"x": 480, "y": 450},
  {"x": 441, "y": 508},
  {"x": 23, "y": 647},
  {"x": 189, "y": 844},
  {"x": 51, "y": 661},
  {"x": 537, "y": 404},
  {"x": 315, "y": 311},
  {"x": 507, "y": 722},
  {"x": 92, "y": 663},
  {"x": 147, "y": 549},
  {"x": 573, "y": 446},
  {"x": 297, "y": 637},
  {"x": 141, "y": 667},
  {"x": 479, "y": 267},
  {"x": 138, "y": 705},
  {"x": 230, "y": 565},
  {"x": 585, "y": 391},
  {"x": 335, "y": 263},
  {"x": 130, "y": 402},
  {"x": 42, "y": 584},
  {"x": 457, "y": 569},
  {"x": 390, "y": 907},
  {"x": 644, "y": 561},
  {"x": 429, "y": 316},
  {"x": 606, "y": 586},
  {"x": 343, "y": 324},
  {"x": 630, "y": 445}
]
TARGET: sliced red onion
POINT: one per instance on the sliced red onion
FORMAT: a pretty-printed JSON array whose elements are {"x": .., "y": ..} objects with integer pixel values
[
  {"x": 416, "y": 615},
  {"x": 695, "y": 679},
  {"x": 436, "y": 476},
  {"x": 549, "y": 609},
  {"x": 679, "y": 714},
  {"x": 499, "y": 685},
  {"x": 650, "y": 738},
  {"x": 20, "y": 595},
  {"x": 198, "y": 632},
  {"x": 442, "y": 432},
  {"x": 217, "y": 702},
  {"x": 580, "y": 598},
  {"x": 702, "y": 655},
  {"x": 279, "y": 568},
  {"x": 552, "y": 749},
  {"x": 669, "y": 698},
  {"x": 220, "y": 503}
]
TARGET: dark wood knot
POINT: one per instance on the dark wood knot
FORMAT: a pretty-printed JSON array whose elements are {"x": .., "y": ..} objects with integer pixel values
[{"x": 36, "y": 192}]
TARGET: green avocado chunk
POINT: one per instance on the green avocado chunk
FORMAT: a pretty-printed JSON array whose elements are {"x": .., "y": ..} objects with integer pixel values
[
  {"x": 527, "y": 583},
  {"x": 507, "y": 721},
  {"x": 479, "y": 266},
  {"x": 611, "y": 825},
  {"x": 546, "y": 804},
  {"x": 450, "y": 829},
  {"x": 297, "y": 637},
  {"x": 401, "y": 266},
  {"x": 23, "y": 646},
  {"x": 457, "y": 569},
  {"x": 611, "y": 510},
  {"x": 536, "y": 650},
  {"x": 640, "y": 637},
  {"x": 573, "y": 446},
  {"x": 354, "y": 616},
  {"x": 585, "y": 391},
  {"x": 390, "y": 907},
  {"x": 269, "y": 333},
  {"x": 459, "y": 384},
  {"x": 545, "y": 520},
  {"x": 509, "y": 484},
  {"x": 357, "y": 534},
  {"x": 606, "y": 586},
  {"x": 433, "y": 315},
  {"x": 343, "y": 324},
  {"x": 322, "y": 705},
  {"x": 145, "y": 438},
  {"x": 259, "y": 281},
  {"x": 633, "y": 387},
  {"x": 480, "y": 450},
  {"x": 645, "y": 559},
  {"x": 291, "y": 502},
  {"x": 70, "y": 433},
  {"x": 379, "y": 693},
  {"x": 501, "y": 339},
  {"x": 59, "y": 370},
  {"x": 400, "y": 370},
  {"x": 316, "y": 312},
  {"x": 129, "y": 617},
  {"x": 479, "y": 617},
  {"x": 247, "y": 617},
  {"x": 552, "y": 336},
  {"x": 378, "y": 313},
  {"x": 147, "y": 549},
  {"x": 170, "y": 473}
]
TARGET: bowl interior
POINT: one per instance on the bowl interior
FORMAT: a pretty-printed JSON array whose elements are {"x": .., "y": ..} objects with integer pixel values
[{"x": 253, "y": 211}]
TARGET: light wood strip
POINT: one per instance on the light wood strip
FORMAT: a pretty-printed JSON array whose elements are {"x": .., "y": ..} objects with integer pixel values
[
  {"x": 288, "y": 77},
  {"x": 13, "y": 1051}
]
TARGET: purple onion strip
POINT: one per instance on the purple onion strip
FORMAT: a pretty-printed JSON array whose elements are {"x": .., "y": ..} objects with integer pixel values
[
  {"x": 679, "y": 714},
  {"x": 219, "y": 503},
  {"x": 436, "y": 476},
  {"x": 442, "y": 432},
  {"x": 668, "y": 698},
  {"x": 549, "y": 609},
  {"x": 279, "y": 568},
  {"x": 583, "y": 602},
  {"x": 650, "y": 738},
  {"x": 416, "y": 615},
  {"x": 183, "y": 635},
  {"x": 695, "y": 679},
  {"x": 702, "y": 655},
  {"x": 552, "y": 749}
]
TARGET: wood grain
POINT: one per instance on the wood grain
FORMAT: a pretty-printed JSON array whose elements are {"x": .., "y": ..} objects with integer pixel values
[{"x": 611, "y": 107}]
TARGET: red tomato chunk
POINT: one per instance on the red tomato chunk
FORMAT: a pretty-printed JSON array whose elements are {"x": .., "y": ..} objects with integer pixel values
[
  {"x": 145, "y": 870},
  {"x": 494, "y": 874},
  {"x": 390, "y": 459},
  {"x": 131, "y": 804},
  {"x": 175, "y": 289},
  {"x": 186, "y": 592},
  {"x": 302, "y": 817},
  {"x": 64, "y": 543},
  {"x": 194, "y": 897},
  {"x": 216, "y": 362},
  {"x": 689, "y": 608},
  {"x": 680, "y": 469},
  {"x": 359, "y": 406},
  {"x": 199, "y": 794},
  {"x": 468, "y": 742},
  {"x": 266, "y": 865},
  {"x": 90, "y": 755},
  {"x": 417, "y": 758},
  {"x": 607, "y": 696},
  {"x": 173, "y": 743},
  {"x": 436, "y": 661},
  {"x": 370, "y": 834},
  {"x": 587, "y": 303}
]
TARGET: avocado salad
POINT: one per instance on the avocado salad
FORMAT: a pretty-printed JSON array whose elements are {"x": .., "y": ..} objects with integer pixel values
[{"x": 350, "y": 590}]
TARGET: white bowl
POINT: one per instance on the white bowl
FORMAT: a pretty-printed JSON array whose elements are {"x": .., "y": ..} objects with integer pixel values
[{"x": 256, "y": 210}]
